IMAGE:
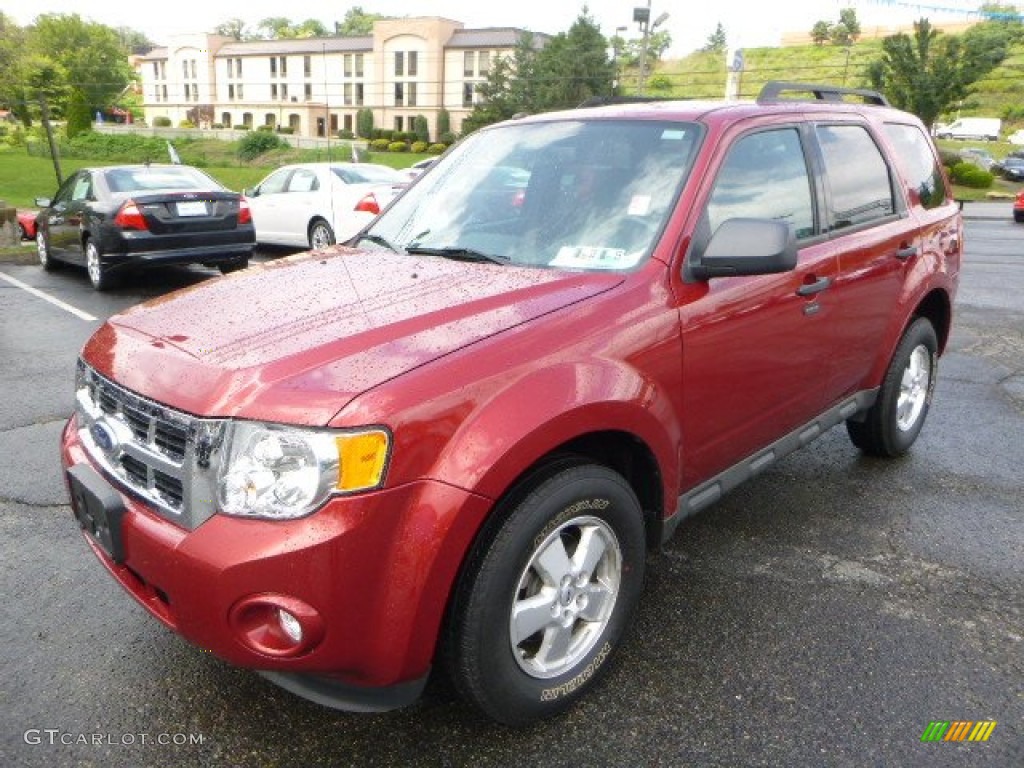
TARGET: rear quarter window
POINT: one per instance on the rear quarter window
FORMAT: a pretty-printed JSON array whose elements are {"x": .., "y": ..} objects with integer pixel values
[{"x": 918, "y": 161}]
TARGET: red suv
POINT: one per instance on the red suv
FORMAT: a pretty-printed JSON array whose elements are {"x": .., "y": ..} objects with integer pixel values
[{"x": 453, "y": 442}]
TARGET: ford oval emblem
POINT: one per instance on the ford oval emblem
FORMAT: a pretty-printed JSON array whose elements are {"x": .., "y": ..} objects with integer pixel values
[{"x": 103, "y": 436}]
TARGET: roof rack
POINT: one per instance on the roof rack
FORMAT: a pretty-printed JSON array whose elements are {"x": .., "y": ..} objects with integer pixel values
[{"x": 772, "y": 92}]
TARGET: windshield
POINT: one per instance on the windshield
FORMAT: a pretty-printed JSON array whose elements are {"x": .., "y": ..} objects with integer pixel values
[
  {"x": 157, "y": 177},
  {"x": 367, "y": 173},
  {"x": 573, "y": 194}
]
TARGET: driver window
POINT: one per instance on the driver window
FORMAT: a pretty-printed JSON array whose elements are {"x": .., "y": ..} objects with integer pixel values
[
  {"x": 275, "y": 183},
  {"x": 302, "y": 181},
  {"x": 83, "y": 188},
  {"x": 765, "y": 176}
]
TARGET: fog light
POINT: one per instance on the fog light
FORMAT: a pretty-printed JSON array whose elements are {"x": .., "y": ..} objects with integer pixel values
[
  {"x": 276, "y": 625},
  {"x": 290, "y": 625}
]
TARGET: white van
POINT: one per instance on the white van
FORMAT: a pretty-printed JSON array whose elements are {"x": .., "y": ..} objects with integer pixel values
[{"x": 986, "y": 128}]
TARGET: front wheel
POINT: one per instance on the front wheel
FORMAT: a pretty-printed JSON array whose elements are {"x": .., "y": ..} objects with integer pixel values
[
  {"x": 893, "y": 423},
  {"x": 43, "y": 249},
  {"x": 547, "y": 594}
]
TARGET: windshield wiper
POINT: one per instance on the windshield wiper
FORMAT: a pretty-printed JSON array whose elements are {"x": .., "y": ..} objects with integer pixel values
[
  {"x": 458, "y": 253},
  {"x": 378, "y": 240}
]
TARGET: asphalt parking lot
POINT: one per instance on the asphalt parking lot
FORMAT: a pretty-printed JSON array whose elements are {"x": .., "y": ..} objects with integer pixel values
[{"x": 823, "y": 614}]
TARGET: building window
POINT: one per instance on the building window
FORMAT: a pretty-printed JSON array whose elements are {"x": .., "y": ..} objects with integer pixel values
[
  {"x": 468, "y": 89},
  {"x": 247, "y": 119},
  {"x": 184, "y": 70},
  {"x": 410, "y": 93},
  {"x": 348, "y": 65},
  {"x": 399, "y": 94},
  {"x": 284, "y": 66},
  {"x": 273, "y": 66},
  {"x": 240, "y": 96},
  {"x": 483, "y": 65},
  {"x": 359, "y": 65},
  {"x": 334, "y": 123},
  {"x": 399, "y": 63},
  {"x": 231, "y": 92},
  {"x": 467, "y": 65},
  {"x": 399, "y": 124},
  {"x": 163, "y": 70},
  {"x": 308, "y": 92},
  {"x": 156, "y": 70},
  {"x": 347, "y": 90},
  {"x": 238, "y": 67},
  {"x": 193, "y": 62},
  {"x": 270, "y": 119},
  {"x": 156, "y": 93},
  {"x": 359, "y": 94},
  {"x": 413, "y": 63},
  {"x": 225, "y": 119},
  {"x": 307, "y": 66},
  {"x": 273, "y": 91},
  {"x": 284, "y": 91},
  {"x": 347, "y": 123},
  {"x": 231, "y": 67},
  {"x": 163, "y": 90}
]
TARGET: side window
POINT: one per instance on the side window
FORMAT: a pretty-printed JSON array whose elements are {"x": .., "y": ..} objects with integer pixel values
[
  {"x": 765, "y": 176},
  {"x": 64, "y": 193},
  {"x": 303, "y": 180},
  {"x": 275, "y": 183},
  {"x": 857, "y": 176},
  {"x": 83, "y": 188},
  {"x": 923, "y": 172}
]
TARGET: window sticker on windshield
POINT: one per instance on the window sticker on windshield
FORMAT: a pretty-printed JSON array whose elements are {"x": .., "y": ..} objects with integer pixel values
[
  {"x": 640, "y": 205},
  {"x": 592, "y": 257},
  {"x": 671, "y": 135}
]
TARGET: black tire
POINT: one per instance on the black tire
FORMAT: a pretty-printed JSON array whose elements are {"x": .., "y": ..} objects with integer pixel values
[
  {"x": 320, "y": 235},
  {"x": 46, "y": 261},
  {"x": 1018, "y": 217},
  {"x": 227, "y": 267},
  {"x": 515, "y": 678},
  {"x": 99, "y": 274},
  {"x": 893, "y": 423}
]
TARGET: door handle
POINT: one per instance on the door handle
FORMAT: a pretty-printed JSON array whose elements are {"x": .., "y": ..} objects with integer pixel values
[
  {"x": 809, "y": 289},
  {"x": 905, "y": 253}
]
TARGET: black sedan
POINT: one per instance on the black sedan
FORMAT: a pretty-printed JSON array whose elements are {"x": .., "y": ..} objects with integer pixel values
[
  {"x": 1013, "y": 168},
  {"x": 118, "y": 217}
]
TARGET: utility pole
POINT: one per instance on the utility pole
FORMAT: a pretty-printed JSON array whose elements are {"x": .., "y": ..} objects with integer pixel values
[
  {"x": 642, "y": 16},
  {"x": 44, "y": 112}
]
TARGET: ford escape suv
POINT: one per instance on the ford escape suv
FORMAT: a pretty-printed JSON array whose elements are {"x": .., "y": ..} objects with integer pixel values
[{"x": 449, "y": 443}]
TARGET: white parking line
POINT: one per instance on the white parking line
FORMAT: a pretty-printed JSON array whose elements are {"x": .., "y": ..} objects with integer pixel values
[{"x": 47, "y": 297}]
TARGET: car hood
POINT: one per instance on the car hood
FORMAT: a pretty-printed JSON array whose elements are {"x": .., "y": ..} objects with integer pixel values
[{"x": 296, "y": 339}]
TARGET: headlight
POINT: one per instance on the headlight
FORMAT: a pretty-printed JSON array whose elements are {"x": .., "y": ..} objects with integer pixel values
[{"x": 281, "y": 473}]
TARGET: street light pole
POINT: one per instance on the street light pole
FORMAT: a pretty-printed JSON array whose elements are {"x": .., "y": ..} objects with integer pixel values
[{"x": 642, "y": 16}]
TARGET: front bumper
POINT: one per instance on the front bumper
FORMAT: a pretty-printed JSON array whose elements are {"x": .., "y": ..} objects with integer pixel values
[{"x": 377, "y": 569}]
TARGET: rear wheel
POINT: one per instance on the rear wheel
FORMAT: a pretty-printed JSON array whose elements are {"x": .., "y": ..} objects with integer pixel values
[
  {"x": 893, "y": 423},
  {"x": 547, "y": 594},
  {"x": 234, "y": 265},
  {"x": 320, "y": 235},
  {"x": 99, "y": 274}
]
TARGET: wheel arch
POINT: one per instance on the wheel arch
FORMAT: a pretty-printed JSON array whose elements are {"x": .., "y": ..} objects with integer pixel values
[{"x": 937, "y": 309}]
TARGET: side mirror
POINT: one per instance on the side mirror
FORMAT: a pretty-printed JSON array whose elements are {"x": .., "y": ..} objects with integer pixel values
[
  {"x": 747, "y": 247},
  {"x": 251, "y": 191},
  {"x": 43, "y": 202}
]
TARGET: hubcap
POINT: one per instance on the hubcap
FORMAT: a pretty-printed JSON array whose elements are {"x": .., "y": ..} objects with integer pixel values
[
  {"x": 565, "y": 596},
  {"x": 914, "y": 388},
  {"x": 92, "y": 263},
  {"x": 321, "y": 237},
  {"x": 41, "y": 248}
]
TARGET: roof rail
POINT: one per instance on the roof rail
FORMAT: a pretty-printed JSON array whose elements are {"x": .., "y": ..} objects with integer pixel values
[{"x": 772, "y": 92}]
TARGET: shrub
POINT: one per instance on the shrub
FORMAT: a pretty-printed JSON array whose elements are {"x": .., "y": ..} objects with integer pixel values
[
  {"x": 379, "y": 145},
  {"x": 161, "y": 122},
  {"x": 265, "y": 127},
  {"x": 242, "y": 127},
  {"x": 346, "y": 135},
  {"x": 436, "y": 149},
  {"x": 419, "y": 147},
  {"x": 217, "y": 126},
  {"x": 186, "y": 124},
  {"x": 258, "y": 142},
  {"x": 949, "y": 157},
  {"x": 398, "y": 146},
  {"x": 444, "y": 122},
  {"x": 286, "y": 129},
  {"x": 446, "y": 138},
  {"x": 364, "y": 123},
  {"x": 970, "y": 175}
]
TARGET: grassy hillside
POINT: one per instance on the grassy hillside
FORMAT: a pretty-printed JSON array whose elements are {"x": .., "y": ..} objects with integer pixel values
[{"x": 703, "y": 76}]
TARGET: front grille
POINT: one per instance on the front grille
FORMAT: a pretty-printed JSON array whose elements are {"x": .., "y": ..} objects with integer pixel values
[{"x": 148, "y": 448}]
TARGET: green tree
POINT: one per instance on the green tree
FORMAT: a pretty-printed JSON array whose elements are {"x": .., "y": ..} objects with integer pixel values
[
  {"x": 309, "y": 28},
  {"x": 356, "y": 23},
  {"x": 233, "y": 28},
  {"x": 574, "y": 66},
  {"x": 275, "y": 27},
  {"x": 87, "y": 56},
  {"x": 133, "y": 41},
  {"x": 924, "y": 74},
  {"x": 364, "y": 123},
  {"x": 511, "y": 87},
  {"x": 12, "y": 86},
  {"x": 848, "y": 29},
  {"x": 421, "y": 128},
  {"x": 444, "y": 122},
  {"x": 717, "y": 42},
  {"x": 821, "y": 32}
]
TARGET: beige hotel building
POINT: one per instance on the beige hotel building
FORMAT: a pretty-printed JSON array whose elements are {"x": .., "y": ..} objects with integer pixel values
[{"x": 315, "y": 86}]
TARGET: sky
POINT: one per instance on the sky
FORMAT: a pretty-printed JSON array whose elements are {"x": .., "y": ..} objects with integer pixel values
[{"x": 748, "y": 23}]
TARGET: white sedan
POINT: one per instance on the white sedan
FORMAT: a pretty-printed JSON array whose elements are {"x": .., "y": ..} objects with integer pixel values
[{"x": 318, "y": 204}]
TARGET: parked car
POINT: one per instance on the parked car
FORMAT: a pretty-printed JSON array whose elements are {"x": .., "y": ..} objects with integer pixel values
[
  {"x": 123, "y": 216},
  {"x": 1018, "y": 207},
  {"x": 315, "y": 205},
  {"x": 986, "y": 128},
  {"x": 1013, "y": 168},
  {"x": 414, "y": 170},
  {"x": 1017, "y": 137},
  {"x": 450, "y": 446},
  {"x": 980, "y": 157},
  {"x": 27, "y": 223}
]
